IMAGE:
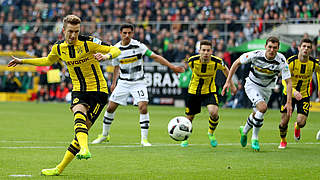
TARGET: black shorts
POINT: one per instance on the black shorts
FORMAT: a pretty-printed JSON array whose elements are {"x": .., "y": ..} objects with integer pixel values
[
  {"x": 95, "y": 101},
  {"x": 302, "y": 106},
  {"x": 194, "y": 102}
]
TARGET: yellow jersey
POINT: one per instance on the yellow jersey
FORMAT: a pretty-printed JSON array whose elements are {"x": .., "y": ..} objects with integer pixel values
[
  {"x": 204, "y": 74},
  {"x": 84, "y": 69},
  {"x": 301, "y": 74}
]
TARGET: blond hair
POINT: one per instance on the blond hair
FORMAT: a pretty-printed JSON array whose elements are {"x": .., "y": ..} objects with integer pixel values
[{"x": 71, "y": 19}]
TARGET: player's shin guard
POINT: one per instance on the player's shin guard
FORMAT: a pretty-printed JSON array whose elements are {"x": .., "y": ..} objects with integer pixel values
[
  {"x": 73, "y": 149},
  {"x": 81, "y": 129},
  {"x": 144, "y": 125},
  {"x": 283, "y": 132},
  {"x": 107, "y": 121},
  {"x": 213, "y": 123},
  {"x": 257, "y": 124}
]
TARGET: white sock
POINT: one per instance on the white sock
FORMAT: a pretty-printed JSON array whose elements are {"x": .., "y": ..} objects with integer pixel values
[
  {"x": 107, "y": 121},
  {"x": 248, "y": 125},
  {"x": 144, "y": 125},
  {"x": 259, "y": 115},
  {"x": 257, "y": 124},
  {"x": 255, "y": 132}
]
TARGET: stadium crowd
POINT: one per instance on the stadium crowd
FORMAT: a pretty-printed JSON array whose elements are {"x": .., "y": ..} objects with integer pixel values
[{"x": 172, "y": 29}]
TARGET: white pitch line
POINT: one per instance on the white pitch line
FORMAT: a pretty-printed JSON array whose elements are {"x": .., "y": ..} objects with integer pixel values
[
  {"x": 20, "y": 175},
  {"x": 138, "y": 145}
]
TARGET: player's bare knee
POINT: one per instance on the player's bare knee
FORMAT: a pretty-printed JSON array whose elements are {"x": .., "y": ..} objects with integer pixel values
[
  {"x": 112, "y": 107},
  {"x": 190, "y": 118},
  {"x": 301, "y": 124},
  {"x": 262, "y": 107},
  {"x": 214, "y": 115},
  {"x": 143, "y": 109}
]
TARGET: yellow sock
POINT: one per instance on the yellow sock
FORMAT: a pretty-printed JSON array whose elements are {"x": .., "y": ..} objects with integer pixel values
[
  {"x": 81, "y": 129},
  {"x": 83, "y": 139},
  {"x": 283, "y": 140},
  {"x": 213, "y": 123},
  {"x": 73, "y": 149},
  {"x": 68, "y": 157}
]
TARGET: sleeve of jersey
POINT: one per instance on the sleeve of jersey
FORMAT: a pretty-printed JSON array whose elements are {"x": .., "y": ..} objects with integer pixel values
[
  {"x": 145, "y": 50},
  {"x": 44, "y": 61},
  {"x": 246, "y": 58},
  {"x": 221, "y": 65},
  {"x": 285, "y": 71},
  {"x": 318, "y": 74},
  {"x": 114, "y": 51},
  {"x": 190, "y": 64}
]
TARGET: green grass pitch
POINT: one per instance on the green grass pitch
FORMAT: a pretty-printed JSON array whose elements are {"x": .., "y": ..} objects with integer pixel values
[{"x": 35, "y": 136}]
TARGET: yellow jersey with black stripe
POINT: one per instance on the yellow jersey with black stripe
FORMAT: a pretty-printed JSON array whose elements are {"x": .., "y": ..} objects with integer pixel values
[
  {"x": 204, "y": 74},
  {"x": 84, "y": 69},
  {"x": 301, "y": 74}
]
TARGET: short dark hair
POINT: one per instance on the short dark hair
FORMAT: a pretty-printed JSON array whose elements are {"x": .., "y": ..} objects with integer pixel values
[
  {"x": 127, "y": 25},
  {"x": 205, "y": 42},
  {"x": 273, "y": 39},
  {"x": 305, "y": 40}
]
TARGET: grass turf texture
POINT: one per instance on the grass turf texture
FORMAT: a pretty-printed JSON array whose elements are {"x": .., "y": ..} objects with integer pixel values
[{"x": 35, "y": 136}]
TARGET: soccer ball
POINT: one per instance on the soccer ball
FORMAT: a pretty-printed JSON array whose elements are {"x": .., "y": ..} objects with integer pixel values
[
  {"x": 318, "y": 136},
  {"x": 179, "y": 128}
]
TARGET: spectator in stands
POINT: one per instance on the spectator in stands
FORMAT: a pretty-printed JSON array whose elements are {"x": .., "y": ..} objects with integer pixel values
[
  {"x": 12, "y": 83},
  {"x": 4, "y": 40},
  {"x": 293, "y": 49}
]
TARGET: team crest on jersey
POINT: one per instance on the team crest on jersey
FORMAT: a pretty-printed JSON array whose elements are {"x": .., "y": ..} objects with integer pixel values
[
  {"x": 187, "y": 110},
  {"x": 79, "y": 50},
  {"x": 76, "y": 100}
]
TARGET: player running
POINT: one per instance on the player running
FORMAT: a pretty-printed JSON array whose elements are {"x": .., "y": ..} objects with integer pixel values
[
  {"x": 301, "y": 67},
  {"x": 265, "y": 66}
]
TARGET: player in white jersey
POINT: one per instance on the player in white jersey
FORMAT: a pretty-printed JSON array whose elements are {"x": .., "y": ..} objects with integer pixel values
[
  {"x": 265, "y": 67},
  {"x": 131, "y": 81}
]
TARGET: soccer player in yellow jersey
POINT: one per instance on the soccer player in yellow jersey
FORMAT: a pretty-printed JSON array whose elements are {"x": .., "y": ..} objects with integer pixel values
[
  {"x": 89, "y": 94},
  {"x": 301, "y": 67},
  {"x": 202, "y": 88}
]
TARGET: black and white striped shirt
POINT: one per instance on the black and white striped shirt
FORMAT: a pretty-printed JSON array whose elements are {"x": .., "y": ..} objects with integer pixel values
[
  {"x": 264, "y": 72},
  {"x": 131, "y": 60}
]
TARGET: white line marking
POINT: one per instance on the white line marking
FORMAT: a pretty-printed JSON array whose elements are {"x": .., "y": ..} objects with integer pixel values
[
  {"x": 20, "y": 175},
  {"x": 136, "y": 145}
]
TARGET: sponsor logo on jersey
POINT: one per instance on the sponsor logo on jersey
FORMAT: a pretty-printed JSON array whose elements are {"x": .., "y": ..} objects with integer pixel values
[
  {"x": 78, "y": 61},
  {"x": 129, "y": 60},
  {"x": 267, "y": 71},
  {"x": 304, "y": 76}
]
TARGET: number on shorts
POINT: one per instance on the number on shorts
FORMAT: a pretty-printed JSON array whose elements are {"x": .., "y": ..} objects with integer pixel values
[
  {"x": 140, "y": 93},
  {"x": 306, "y": 106}
]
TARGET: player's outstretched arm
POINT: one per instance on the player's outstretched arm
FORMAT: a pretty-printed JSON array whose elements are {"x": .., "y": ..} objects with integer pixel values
[
  {"x": 233, "y": 69},
  {"x": 113, "y": 53},
  {"x": 14, "y": 62},
  {"x": 232, "y": 86},
  {"x": 163, "y": 61},
  {"x": 44, "y": 61}
]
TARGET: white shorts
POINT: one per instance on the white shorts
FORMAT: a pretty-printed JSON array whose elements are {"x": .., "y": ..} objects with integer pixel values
[
  {"x": 257, "y": 93},
  {"x": 137, "y": 89}
]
